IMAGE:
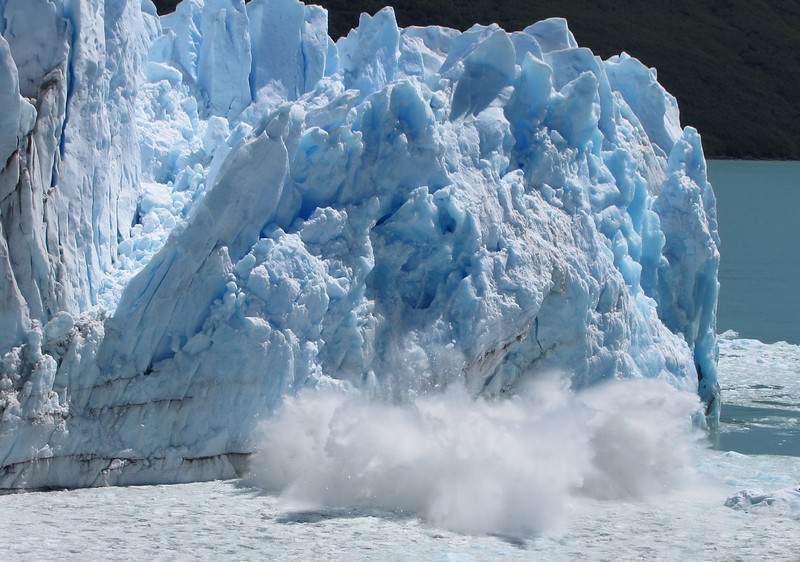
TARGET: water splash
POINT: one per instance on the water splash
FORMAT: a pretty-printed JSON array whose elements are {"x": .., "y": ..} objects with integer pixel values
[{"x": 479, "y": 466}]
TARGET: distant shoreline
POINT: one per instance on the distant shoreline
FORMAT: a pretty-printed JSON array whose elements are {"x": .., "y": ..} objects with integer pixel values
[{"x": 737, "y": 159}]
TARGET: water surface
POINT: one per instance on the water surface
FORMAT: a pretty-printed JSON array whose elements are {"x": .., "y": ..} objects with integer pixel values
[{"x": 758, "y": 205}]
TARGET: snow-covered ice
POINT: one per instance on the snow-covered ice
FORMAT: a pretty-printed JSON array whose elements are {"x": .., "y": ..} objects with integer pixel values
[{"x": 205, "y": 213}]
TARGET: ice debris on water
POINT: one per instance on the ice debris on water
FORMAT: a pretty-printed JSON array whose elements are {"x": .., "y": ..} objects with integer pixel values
[{"x": 786, "y": 500}]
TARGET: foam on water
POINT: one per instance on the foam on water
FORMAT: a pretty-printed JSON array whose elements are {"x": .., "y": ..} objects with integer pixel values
[{"x": 480, "y": 466}]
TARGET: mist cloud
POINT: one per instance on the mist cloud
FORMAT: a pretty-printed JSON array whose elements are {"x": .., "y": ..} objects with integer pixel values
[{"x": 503, "y": 466}]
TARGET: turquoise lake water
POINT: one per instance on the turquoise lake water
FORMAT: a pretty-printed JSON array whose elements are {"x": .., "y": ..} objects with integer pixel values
[{"x": 758, "y": 205}]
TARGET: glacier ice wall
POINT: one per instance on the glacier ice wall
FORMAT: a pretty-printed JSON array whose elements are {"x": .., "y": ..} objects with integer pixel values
[
  {"x": 206, "y": 212},
  {"x": 71, "y": 167}
]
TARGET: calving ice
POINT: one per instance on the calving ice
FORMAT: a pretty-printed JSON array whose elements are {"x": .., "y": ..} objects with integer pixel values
[{"x": 204, "y": 213}]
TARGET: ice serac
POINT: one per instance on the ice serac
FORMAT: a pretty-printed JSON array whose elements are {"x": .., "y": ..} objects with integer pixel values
[
  {"x": 688, "y": 288},
  {"x": 655, "y": 108},
  {"x": 369, "y": 54},
  {"x": 226, "y": 53},
  {"x": 224, "y": 59},
  {"x": 290, "y": 46},
  {"x": 181, "y": 283},
  {"x": 401, "y": 211},
  {"x": 211, "y": 42},
  {"x": 552, "y": 35}
]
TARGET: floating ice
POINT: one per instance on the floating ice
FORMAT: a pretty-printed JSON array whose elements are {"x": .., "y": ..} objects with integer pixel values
[
  {"x": 233, "y": 208},
  {"x": 785, "y": 501}
]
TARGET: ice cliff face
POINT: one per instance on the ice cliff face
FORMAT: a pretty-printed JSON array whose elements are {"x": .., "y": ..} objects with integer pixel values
[
  {"x": 69, "y": 151},
  {"x": 203, "y": 213}
]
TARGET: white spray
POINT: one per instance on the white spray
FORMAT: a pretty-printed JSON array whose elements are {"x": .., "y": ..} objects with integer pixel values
[{"x": 479, "y": 466}]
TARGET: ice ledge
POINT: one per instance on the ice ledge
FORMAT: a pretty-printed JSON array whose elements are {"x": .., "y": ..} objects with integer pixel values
[{"x": 87, "y": 471}]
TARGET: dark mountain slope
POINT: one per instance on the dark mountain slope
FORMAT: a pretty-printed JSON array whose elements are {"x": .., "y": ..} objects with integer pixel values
[{"x": 734, "y": 65}]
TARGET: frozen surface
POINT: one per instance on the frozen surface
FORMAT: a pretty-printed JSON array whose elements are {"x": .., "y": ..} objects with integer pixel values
[
  {"x": 226, "y": 519},
  {"x": 220, "y": 519},
  {"x": 223, "y": 207}
]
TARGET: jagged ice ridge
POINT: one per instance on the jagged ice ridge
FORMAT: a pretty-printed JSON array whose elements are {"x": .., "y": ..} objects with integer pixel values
[{"x": 205, "y": 212}]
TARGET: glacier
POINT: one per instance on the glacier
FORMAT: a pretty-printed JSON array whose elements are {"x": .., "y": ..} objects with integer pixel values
[{"x": 204, "y": 213}]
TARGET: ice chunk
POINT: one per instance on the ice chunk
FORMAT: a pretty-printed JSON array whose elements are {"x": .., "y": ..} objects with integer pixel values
[
  {"x": 276, "y": 29},
  {"x": 192, "y": 259},
  {"x": 525, "y": 44},
  {"x": 423, "y": 50},
  {"x": 688, "y": 286},
  {"x": 184, "y": 23},
  {"x": 574, "y": 112},
  {"x": 315, "y": 45},
  {"x": 782, "y": 501}
]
